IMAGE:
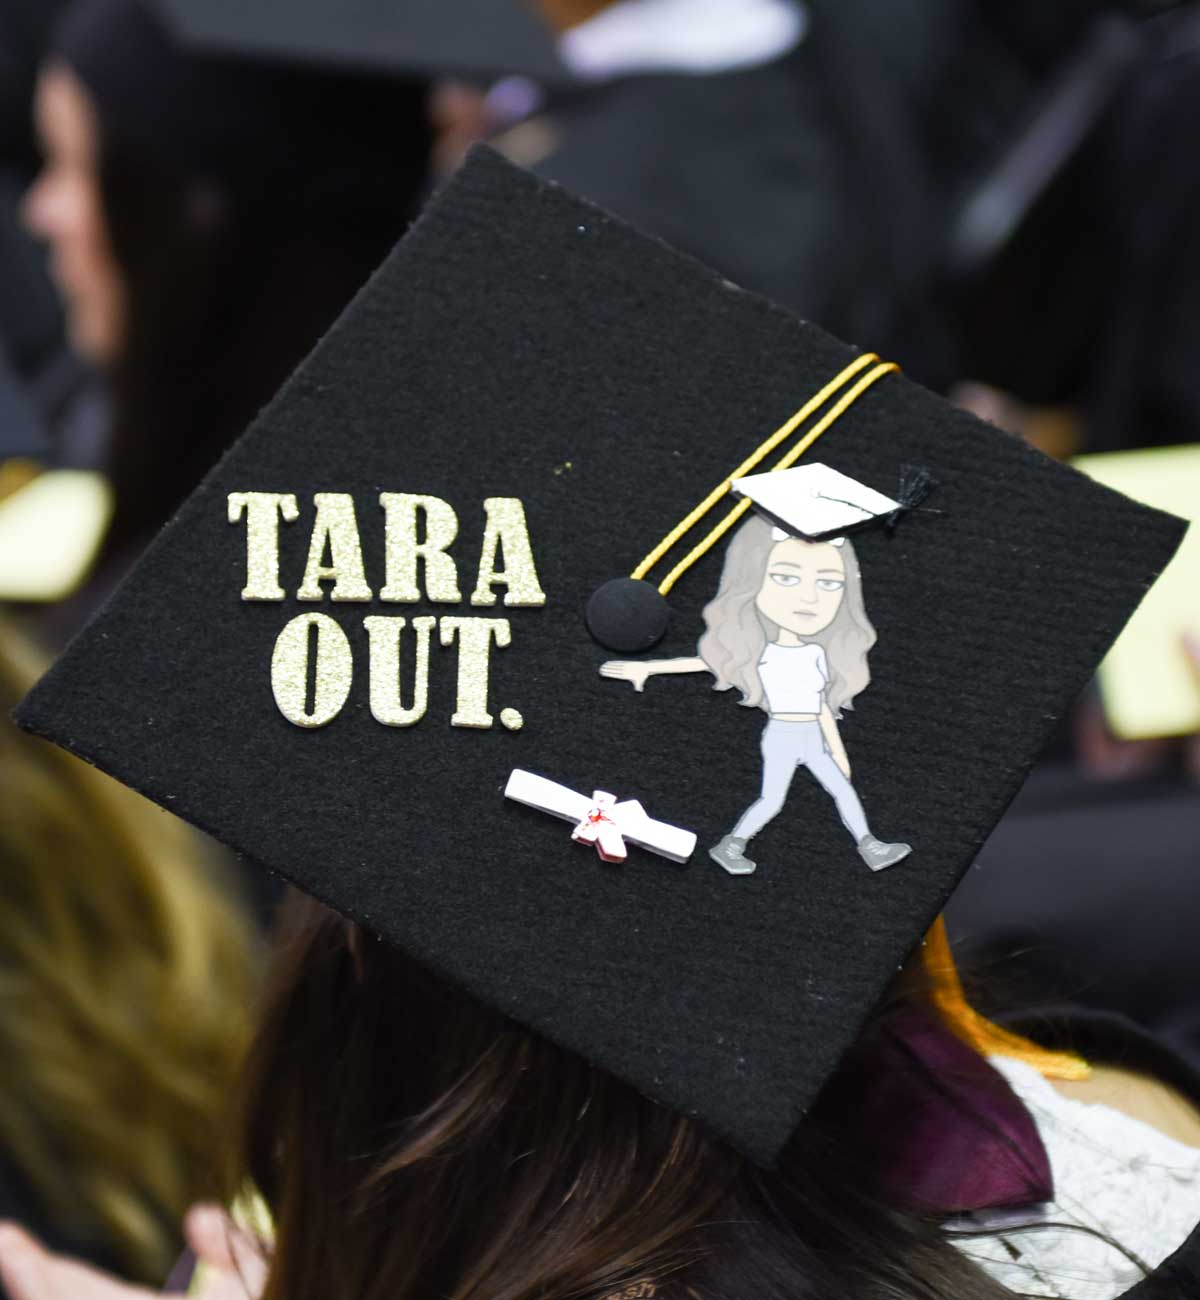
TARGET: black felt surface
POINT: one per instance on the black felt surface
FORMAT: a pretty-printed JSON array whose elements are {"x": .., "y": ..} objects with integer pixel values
[{"x": 520, "y": 343}]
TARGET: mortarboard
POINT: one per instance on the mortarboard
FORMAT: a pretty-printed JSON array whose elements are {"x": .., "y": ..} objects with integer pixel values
[
  {"x": 485, "y": 38},
  {"x": 368, "y": 623},
  {"x": 814, "y": 501}
]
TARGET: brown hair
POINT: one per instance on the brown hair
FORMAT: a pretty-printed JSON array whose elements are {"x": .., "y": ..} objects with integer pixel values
[
  {"x": 411, "y": 1143},
  {"x": 126, "y": 978}
]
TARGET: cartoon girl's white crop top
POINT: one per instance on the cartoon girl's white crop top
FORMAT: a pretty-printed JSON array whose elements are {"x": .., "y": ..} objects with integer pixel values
[{"x": 794, "y": 678}]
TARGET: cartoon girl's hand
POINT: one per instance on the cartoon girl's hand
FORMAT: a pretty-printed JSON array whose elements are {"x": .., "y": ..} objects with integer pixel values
[{"x": 627, "y": 670}]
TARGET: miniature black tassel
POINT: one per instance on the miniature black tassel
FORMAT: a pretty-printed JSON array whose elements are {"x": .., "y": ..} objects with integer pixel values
[{"x": 916, "y": 483}]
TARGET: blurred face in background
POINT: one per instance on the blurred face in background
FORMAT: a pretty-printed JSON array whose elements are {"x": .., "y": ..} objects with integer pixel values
[{"x": 65, "y": 208}]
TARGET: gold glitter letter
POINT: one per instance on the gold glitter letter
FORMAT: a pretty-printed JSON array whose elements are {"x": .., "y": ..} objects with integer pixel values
[
  {"x": 506, "y": 527},
  {"x": 386, "y": 706},
  {"x": 289, "y": 670},
  {"x": 474, "y": 644},
  {"x": 262, "y": 511},
  {"x": 403, "y": 549},
  {"x": 336, "y": 527}
]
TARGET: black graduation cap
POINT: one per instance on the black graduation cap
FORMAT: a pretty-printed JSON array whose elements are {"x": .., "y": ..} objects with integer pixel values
[
  {"x": 485, "y": 38},
  {"x": 367, "y": 626}
]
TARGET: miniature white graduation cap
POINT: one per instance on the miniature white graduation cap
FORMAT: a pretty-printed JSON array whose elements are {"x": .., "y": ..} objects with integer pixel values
[{"x": 814, "y": 501}]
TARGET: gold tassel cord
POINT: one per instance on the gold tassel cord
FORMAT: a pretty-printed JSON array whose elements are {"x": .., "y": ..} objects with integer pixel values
[
  {"x": 831, "y": 417},
  {"x": 760, "y": 453},
  {"x": 977, "y": 1031}
]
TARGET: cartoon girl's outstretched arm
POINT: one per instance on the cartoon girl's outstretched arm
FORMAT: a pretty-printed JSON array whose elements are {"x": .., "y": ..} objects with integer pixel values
[{"x": 638, "y": 670}]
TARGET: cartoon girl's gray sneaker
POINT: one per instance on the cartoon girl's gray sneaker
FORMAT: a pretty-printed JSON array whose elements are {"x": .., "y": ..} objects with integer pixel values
[
  {"x": 876, "y": 854},
  {"x": 731, "y": 854}
]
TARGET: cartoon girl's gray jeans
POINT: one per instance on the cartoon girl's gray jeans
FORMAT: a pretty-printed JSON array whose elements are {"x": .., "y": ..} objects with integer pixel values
[{"x": 785, "y": 747}]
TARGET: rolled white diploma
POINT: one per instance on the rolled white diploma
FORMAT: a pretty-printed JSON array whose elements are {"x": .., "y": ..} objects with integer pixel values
[{"x": 629, "y": 817}]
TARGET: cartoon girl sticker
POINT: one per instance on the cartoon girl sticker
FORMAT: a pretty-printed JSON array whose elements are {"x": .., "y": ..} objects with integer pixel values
[{"x": 788, "y": 629}]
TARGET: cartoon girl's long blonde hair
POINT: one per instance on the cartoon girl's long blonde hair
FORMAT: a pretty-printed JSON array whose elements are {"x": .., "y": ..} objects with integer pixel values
[{"x": 737, "y": 633}]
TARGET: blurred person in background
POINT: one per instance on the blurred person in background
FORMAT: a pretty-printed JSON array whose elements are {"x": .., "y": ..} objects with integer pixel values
[
  {"x": 817, "y": 151},
  {"x": 207, "y": 219},
  {"x": 52, "y": 409},
  {"x": 1082, "y": 321},
  {"x": 456, "y": 1154},
  {"x": 30, "y": 317},
  {"x": 810, "y": 150},
  {"x": 128, "y": 973},
  {"x": 1077, "y": 298}
]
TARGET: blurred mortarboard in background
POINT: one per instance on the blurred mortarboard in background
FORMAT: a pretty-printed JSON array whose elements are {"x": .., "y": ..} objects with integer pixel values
[
  {"x": 325, "y": 139},
  {"x": 370, "y": 617},
  {"x": 428, "y": 38}
]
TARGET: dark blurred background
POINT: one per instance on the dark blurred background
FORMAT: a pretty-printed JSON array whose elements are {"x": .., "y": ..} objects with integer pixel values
[{"x": 1004, "y": 197}]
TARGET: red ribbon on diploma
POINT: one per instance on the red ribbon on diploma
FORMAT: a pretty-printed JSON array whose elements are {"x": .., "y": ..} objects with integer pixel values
[{"x": 601, "y": 820}]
